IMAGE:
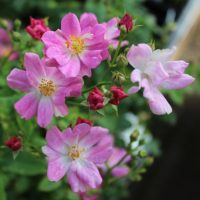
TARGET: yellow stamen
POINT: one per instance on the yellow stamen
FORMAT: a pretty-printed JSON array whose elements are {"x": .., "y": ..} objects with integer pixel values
[
  {"x": 47, "y": 87},
  {"x": 75, "y": 152},
  {"x": 76, "y": 44}
]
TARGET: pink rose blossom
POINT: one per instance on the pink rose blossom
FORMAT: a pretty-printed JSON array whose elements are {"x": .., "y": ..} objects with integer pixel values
[
  {"x": 120, "y": 170},
  {"x": 78, "y": 46},
  {"x": 37, "y": 28},
  {"x": 76, "y": 153},
  {"x": 153, "y": 71},
  {"x": 46, "y": 89}
]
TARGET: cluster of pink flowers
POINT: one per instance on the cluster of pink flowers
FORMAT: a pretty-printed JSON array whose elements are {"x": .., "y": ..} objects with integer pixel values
[{"x": 70, "y": 53}]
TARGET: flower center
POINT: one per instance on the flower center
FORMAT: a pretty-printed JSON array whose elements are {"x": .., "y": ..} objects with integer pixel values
[
  {"x": 75, "y": 152},
  {"x": 76, "y": 44},
  {"x": 47, "y": 87}
]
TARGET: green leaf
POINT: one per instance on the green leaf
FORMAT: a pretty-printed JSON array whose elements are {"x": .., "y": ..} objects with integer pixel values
[
  {"x": 115, "y": 108},
  {"x": 2, "y": 188},
  {"x": 45, "y": 185},
  {"x": 24, "y": 164}
]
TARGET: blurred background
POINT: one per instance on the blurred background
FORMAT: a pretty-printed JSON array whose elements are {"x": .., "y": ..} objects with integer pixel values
[{"x": 175, "y": 173}]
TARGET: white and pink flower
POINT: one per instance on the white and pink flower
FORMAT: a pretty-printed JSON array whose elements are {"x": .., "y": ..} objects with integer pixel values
[
  {"x": 46, "y": 89},
  {"x": 76, "y": 153},
  {"x": 155, "y": 70}
]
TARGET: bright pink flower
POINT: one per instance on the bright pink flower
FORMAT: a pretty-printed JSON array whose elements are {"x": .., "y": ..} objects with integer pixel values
[
  {"x": 81, "y": 120},
  {"x": 95, "y": 99},
  {"x": 116, "y": 156},
  {"x": 84, "y": 196},
  {"x": 37, "y": 28},
  {"x": 76, "y": 153},
  {"x": 154, "y": 70},
  {"x": 118, "y": 95},
  {"x": 127, "y": 21},
  {"x": 14, "y": 143},
  {"x": 6, "y": 48},
  {"x": 46, "y": 89},
  {"x": 77, "y": 44}
]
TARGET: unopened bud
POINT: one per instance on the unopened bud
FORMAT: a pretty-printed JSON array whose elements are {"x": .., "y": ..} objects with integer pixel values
[
  {"x": 149, "y": 161},
  {"x": 122, "y": 60},
  {"x": 4, "y": 24},
  {"x": 17, "y": 24},
  {"x": 16, "y": 36},
  {"x": 118, "y": 77},
  {"x": 142, "y": 154},
  {"x": 134, "y": 136}
]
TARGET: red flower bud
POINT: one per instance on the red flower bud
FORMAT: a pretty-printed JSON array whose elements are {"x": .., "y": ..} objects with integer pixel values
[
  {"x": 118, "y": 95},
  {"x": 14, "y": 143},
  {"x": 81, "y": 120},
  {"x": 37, "y": 28},
  {"x": 95, "y": 99},
  {"x": 127, "y": 21}
]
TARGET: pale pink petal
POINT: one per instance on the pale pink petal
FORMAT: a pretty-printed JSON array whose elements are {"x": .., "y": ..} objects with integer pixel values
[
  {"x": 157, "y": 74},
  {"x": 50, "y": 153},
  {"x": 176, "y": 67},
  {"x": 136, "y": 76},
  {"x": 163, "y": 55},
  {"x": 157, "y": 102},
  {"x": 81, "y": 130},
  {"x": 17, "y": 79},
  {"x": 27, "y": 105},
  {"x": 133, "y": 90},
  {"x": 85, "y": 70},
  {"x": 57, "y": 168},
  {"x": 60, "y": 110},
  {"x": 88, "y": 20},
  {"x": 139, "y": 55},
  {"x": 45, "y": 112},
  {"x": 70, "y": 25},
  {"x": 178, "y": 82}
]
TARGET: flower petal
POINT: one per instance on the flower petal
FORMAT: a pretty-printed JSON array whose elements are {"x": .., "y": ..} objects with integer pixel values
[
  {"x": 27, "y": 105},
  {"x": 139, "y": 55},
  {"x": 45, "y": 112},
  {"x": 17, "y": 79},
  {"x": 70, "y": 25},
  {"x": 88, "y": 20}
]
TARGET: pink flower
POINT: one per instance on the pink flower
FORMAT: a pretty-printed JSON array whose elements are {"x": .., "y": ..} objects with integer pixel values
[
  {"x": 95, "y": 99},
  {"x": 81, "y": 120},
  {"x": 46, "y": 89},
  {"x": 14, "y": 143},
  {"x": 120, "y": 170},
  {"x": 118, "y": 95},
  {"x": 6, "y": 48},
  {"x": 127, "y": 21},
  {"x": 77, "y": 44},
  {"x": 37, "y": 28},
  {"x": 76, "y": 153},
  {"x": 153, "y": 71}
]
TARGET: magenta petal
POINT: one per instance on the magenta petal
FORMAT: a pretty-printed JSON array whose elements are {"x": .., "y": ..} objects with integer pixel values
[
  {"x": 57, "y": 168},
  {"x": 60, "y": 110},
  {"x": 91, "y": 58},
  {"x": 55, "y": 140},
  {"x": 17, "y": 79},
  {"x": 88, "y": 20},
  {"x": 82, "y": 130},
  {"x": 45, "y": 112},
  {"x": 70, "y": 25},
  {"x": 51, "y": 38},
  {"x": 120, "y": 171},
  {"x": 178, "y": 82},
  {"x": 72, "y": 68},
  {"x": 27, "y": 106}
]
